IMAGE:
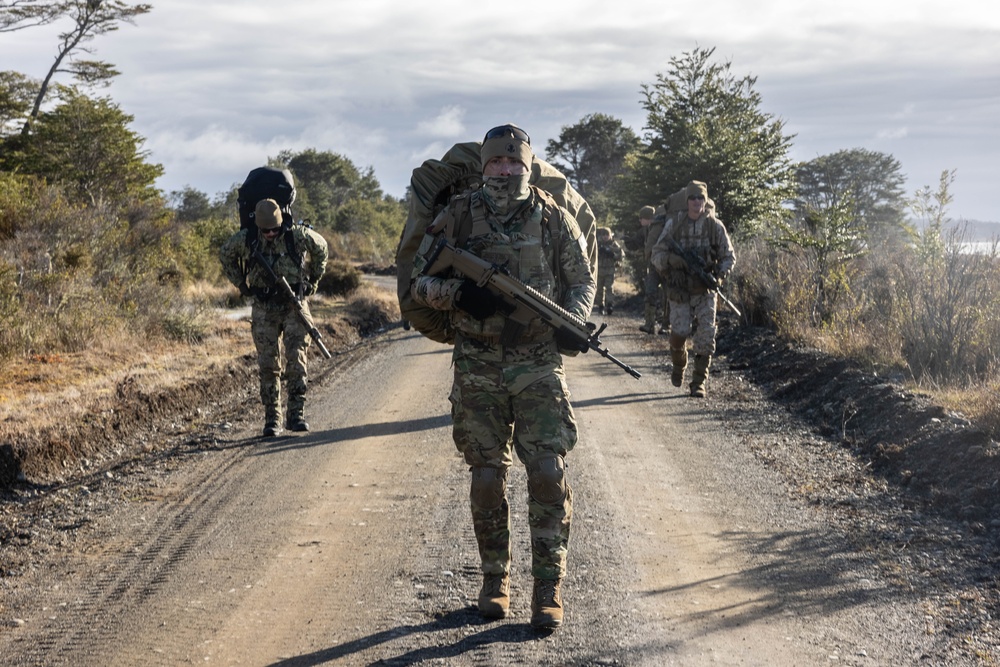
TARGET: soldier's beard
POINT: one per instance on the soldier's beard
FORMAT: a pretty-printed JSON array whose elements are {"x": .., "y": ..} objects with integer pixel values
[{"x": 505, "y": 194}]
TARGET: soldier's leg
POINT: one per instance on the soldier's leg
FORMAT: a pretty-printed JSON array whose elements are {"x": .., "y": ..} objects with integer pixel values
[
  {"x": 680, "y": 329},
  {"x": 296, "y": 341},
  {"x": 483, "y": 419},
  {"x": 703, "y": 341},
  {"x": 609, "y": 298},
  {"x": 651, "y": 294},
  {"x": 265, "y": 326}
]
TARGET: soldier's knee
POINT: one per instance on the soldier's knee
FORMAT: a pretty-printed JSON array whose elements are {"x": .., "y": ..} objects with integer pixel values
[
  {"x": 547, "y": 479},
  {"x": 489, "y": 488}
]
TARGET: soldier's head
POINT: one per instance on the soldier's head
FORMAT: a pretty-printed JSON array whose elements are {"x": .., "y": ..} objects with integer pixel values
[
  {"x": 506, "y": 151},
  {"x": 267, "y": 215},
  {"x": 604, "y": 234},
  {"x": 697, "y": 194},
  {"x": 646, "y": 214}
]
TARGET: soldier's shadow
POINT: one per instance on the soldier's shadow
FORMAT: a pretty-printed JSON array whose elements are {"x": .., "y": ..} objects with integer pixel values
[{"x": 461, "y": 618}]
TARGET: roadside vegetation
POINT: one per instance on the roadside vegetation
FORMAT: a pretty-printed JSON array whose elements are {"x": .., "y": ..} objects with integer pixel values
[{"x": 832, "y": 253}]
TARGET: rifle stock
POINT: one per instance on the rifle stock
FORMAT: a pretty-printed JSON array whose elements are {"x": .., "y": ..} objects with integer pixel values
[
  {"x": 697, "y": 267},
  {"x": 281, "y": 283},
  {"x": 523, "y": 302}
]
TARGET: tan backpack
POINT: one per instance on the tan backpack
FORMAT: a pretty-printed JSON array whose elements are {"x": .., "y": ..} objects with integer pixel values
[{"x": 432, "y": 186}]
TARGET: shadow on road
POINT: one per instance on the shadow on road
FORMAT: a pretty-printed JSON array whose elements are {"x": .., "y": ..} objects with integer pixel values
[{"x": 469, "y": 616}]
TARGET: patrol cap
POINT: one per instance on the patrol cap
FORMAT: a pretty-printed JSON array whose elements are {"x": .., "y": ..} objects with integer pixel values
[
  {"x": 697, "y": 189},
  {"x": 267, "y": 214},
  {"x": 647, "y": 212},
  {"x": 507, "y": 141}
]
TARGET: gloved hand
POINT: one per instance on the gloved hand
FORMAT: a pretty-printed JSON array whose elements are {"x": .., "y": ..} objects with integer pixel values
[
  {"x": 475, "y": 300},
  {"x": 245, "y": 290},
  {"x": 308, "y": 289},
  {"x": 676, "y": 261},
  {"x": 566, "y": 341}
]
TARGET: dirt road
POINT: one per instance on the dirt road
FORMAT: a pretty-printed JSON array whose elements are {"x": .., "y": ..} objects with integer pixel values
[{"x": 352, "y": 544}]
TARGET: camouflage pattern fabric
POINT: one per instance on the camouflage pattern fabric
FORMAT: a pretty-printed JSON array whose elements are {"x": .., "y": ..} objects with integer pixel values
[
  {"x": 274, "y": 323},
  {"x": 701, "y": 308},
  {"x": 273, "y": 329},
  {"x": 514, "y": 400},
  {"x": 508, "y": 401},
  {"x": 609, "y": 256}
]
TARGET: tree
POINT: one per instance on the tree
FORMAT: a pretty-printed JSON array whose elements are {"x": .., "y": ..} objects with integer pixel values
[
  {"x": 16, "y": 94},
  {"x": 703, "y": 123},
  {"x": 591, "y": 154},
  {"x": 872, "y": 181},
  {"x": 21, "y": 14},
  {"x": 86, "y": 144},
  {"x": 90, "y": 19}
]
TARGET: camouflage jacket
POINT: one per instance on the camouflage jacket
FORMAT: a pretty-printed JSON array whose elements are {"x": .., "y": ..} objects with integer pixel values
[
  {"x": 240, "y": 268},
  {"x": 706, "y": 238}
]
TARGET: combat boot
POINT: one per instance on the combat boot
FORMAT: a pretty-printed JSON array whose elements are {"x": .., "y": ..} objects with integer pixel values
[
  {"x": 700, "y": 374},
  {"x": 610, "y": 309},
  {"x": 650, "y": 325},
  {"x": 546, "y": 604},
  {"x": 271, "y": 421},
  {"x": 296, "y": 422},
  {"x": 494, "y": 597}
]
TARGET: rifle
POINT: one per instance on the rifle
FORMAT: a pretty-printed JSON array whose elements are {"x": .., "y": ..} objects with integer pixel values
[
  {"x": 521, "y": 303},
  {"x": 697, "y": 266},
  {"x": 282, "y": 284}
]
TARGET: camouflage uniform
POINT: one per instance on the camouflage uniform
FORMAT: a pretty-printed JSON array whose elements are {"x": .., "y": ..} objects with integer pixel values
[
  {"x": 655, "y": 297},
  {"x": 690, "y": 300},
  {"x": 514, "y": 399},
  {"x": 609, "y": 256},
  {"x": 274, "y": 322}
]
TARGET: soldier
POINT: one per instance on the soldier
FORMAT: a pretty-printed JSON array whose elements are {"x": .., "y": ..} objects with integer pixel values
[
  {"x": 513, "y": 399},
  {"x": 298, "y": 254},
  {"x": 650, "y": 226},
  {"x": 699, "y": 232},
  {"x": 609, "y": 256}
]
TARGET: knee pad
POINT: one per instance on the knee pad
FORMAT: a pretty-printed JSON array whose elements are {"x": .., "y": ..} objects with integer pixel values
[
  {"x": 547, "y": 479},
  {"x": 489, "y": 488}
]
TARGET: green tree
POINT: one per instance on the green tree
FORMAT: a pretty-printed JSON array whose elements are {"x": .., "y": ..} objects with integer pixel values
[
  {"x": 86, "y": 144},
  {"x": 21, "y": 14},
  {"x": 90, "y": 18},
  {"x": 591, "y": 154},
  {"x": 703, "y": 123},
  {"x": 16, "y": 94},
  {"x": 872, "y": 181},
  {"x": 324, "y": 182}
]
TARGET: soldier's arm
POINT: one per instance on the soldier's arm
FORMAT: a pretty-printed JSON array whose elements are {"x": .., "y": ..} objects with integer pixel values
[
  {"x": 233, "y": 255},
  {"x": 580, "y": 283}
]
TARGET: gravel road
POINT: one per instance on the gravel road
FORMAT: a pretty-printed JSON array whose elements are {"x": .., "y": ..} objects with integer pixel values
[{"x": 353, "y": 545}]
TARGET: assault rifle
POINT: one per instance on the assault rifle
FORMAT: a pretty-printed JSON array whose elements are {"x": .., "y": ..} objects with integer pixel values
[
  {"x": 282, "y": 284},
  {"x": 520, "y": 303},
  {"x": 696, "y": 265}
]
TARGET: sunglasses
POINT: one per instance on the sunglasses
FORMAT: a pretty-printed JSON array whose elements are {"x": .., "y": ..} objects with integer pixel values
[
  {"x": 273, "y": 231},
  {"x": 508, "y": 131},
  {"x": 696, "y": 197}
]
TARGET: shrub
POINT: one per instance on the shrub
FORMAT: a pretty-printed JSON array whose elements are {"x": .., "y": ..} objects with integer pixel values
[{"x": 341, "y": 278}]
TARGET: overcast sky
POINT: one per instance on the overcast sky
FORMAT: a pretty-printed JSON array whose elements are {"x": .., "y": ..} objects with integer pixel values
[{"x": 218, "y": 87}]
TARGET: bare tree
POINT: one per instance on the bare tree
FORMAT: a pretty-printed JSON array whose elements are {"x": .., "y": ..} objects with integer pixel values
[{"x": 90, "y": 18}]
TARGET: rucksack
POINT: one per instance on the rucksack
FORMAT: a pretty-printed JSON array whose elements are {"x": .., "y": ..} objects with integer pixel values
[
  {"x": 432, "y": 186},
  {"x": 265, "y": 183},
  {"x": 268, "y": 183}
]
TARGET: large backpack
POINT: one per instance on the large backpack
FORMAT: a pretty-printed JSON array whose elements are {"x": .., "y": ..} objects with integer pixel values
[
  {"x": 432, "y": 185},
  {"x": 268, "y": 183},
  {"x": 265, "y": 183}
]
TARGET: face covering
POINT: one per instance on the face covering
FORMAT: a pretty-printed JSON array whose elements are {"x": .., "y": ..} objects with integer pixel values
[{"x": 505, "y": 193}]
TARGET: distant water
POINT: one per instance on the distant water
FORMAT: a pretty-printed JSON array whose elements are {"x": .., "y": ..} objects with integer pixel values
[{"x": 984, "y": 247}]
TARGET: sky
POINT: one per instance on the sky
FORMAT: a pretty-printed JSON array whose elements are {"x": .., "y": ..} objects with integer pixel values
[{"x": 216, "y": 88}]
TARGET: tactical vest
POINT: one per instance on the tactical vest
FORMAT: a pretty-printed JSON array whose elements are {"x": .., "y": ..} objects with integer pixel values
[{"x": 529, "y": 251}]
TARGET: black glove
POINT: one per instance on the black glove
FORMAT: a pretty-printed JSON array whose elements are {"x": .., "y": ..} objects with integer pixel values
[
  {"x": 245, "y": 289},
  {"x": 567, "y": 341},
  {"x": 475, "y": 300}
]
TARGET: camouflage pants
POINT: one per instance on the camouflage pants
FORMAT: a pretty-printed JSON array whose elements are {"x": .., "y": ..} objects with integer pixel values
[
  {"x": 515, "y": 400},
  {"x": 273, "y": 329},
  {"x": 605, "y": 290},
  {"x": 656, "y": 295},
  {"x": 700, "y": 308}
]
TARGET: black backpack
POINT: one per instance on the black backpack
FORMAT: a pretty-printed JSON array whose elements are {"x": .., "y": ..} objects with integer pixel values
[
  {"x": 265, "y": 183},
  {"x": 268, "y": 183}
]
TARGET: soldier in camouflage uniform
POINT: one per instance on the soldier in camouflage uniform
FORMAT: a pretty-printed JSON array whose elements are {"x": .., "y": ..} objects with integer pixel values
[
  {"x": 513, "y": 399},
  {"x": 609, "y": 256},
  {"x": 298, "y": 254},
  {"x": 650, "y": 226},
  {"x": 698, "y": 231}
]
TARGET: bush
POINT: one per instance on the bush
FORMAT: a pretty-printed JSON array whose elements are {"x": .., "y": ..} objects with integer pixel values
[{"x": 341, "y": 278}]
